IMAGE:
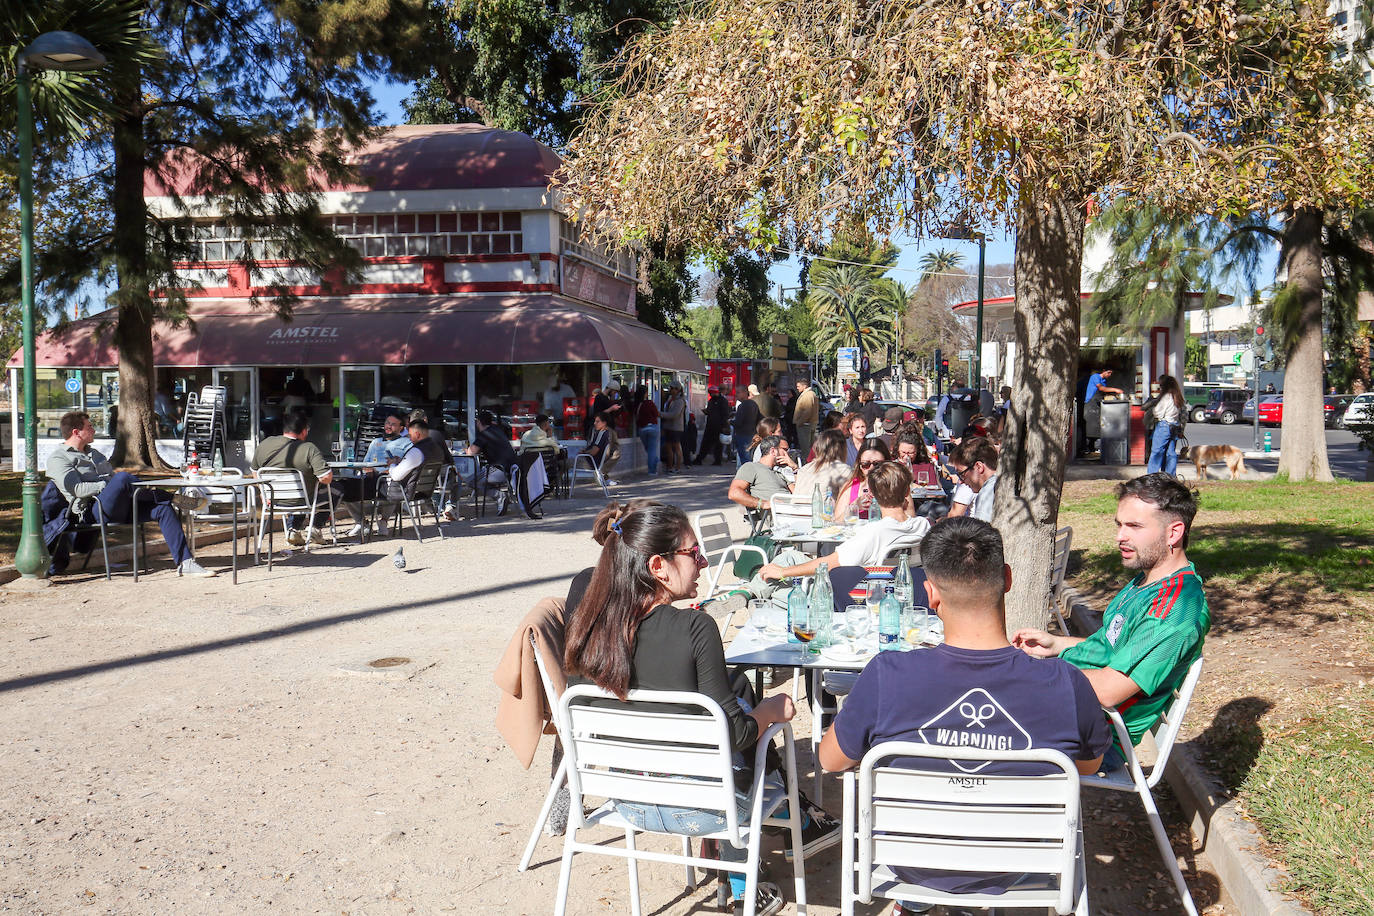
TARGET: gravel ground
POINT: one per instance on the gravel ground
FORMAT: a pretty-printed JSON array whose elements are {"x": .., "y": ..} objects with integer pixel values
[{"x": 188, "y": 746}]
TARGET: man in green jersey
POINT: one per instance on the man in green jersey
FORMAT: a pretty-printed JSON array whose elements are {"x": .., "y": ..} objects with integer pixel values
[{"x": 1153, "y": 629}]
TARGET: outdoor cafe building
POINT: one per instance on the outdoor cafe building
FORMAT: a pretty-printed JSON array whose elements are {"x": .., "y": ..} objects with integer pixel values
[{"x": 476, "y": 294}]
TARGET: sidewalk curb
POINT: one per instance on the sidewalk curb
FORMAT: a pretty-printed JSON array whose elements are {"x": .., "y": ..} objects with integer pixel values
[{"x": 1229, "y": 840}]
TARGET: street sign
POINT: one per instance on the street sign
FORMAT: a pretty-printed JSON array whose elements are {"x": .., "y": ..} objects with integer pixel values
[
  {"x": 73, "y": 385},
  {"x": 1247, "y": 360},
  {"x": 966, "y": 354},
  {"x": 1236, "y": 359},
  {"x": 847, "y": 360}
]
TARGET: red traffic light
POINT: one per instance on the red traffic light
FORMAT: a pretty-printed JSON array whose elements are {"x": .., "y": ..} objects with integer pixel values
[
  {"x": 944, "y": 364},
  {"x": 1259, "y": 331}
]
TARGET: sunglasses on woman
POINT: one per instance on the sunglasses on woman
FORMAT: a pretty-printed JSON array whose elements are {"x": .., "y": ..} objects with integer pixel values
[
  {"x": 694, "y": 552},
  {"x": 869, "y": 464}
]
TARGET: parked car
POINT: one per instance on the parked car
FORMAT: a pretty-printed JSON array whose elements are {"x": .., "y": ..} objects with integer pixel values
[
  {"x": 1225, "y": 404},
  {"x": 1333, "y": 409},
  {"x": 1271, "y": 411},
  {"x": 1195, "y": 393},
  {"x": 1360, "y": 412},
  {"x": 1247, "y": 414}
]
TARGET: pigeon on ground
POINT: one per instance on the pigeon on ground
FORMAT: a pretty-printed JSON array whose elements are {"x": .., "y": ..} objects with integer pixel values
[{"x": 399, "y": 559}]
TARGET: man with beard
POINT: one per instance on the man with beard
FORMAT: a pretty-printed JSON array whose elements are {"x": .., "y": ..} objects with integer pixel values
[{"x": 1153, "y": 629}]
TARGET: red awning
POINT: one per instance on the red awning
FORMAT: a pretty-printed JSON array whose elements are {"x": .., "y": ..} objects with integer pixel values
[{"x": 396, "y": 330}]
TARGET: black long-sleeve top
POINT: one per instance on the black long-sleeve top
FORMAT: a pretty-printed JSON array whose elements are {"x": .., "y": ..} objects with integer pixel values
[{"x": 680, "y": 649}]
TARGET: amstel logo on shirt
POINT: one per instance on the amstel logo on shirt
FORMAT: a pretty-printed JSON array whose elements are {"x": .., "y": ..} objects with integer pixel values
[{"x": 975, "y": 720}]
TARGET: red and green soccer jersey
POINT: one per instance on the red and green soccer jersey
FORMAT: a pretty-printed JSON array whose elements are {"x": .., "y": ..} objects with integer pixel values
[{"x": 1151, "y": 632}]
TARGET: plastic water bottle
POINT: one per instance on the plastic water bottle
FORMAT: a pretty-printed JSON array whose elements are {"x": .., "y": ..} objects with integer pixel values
[
  {"x": 817, "y": 508},
  {"x": 219, "y": 463},
  {"x": 828, "y": 508},
  {"x": 796, "y": 609},
  {"x": 822, "y": 606},
  {"x": 890, "y": 621},
  {"x": 902, "y": 582}
]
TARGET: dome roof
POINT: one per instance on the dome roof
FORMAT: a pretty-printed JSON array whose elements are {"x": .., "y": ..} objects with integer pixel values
[{"x": 429, "y": 157}]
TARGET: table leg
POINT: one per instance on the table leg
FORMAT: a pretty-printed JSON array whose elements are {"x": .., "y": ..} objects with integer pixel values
[
  {"x": 134, "y": 491},
  {"x": 758, "y": 683},
  {"x": 271, "y": 495},
  {"x": 234, "y": 543}
]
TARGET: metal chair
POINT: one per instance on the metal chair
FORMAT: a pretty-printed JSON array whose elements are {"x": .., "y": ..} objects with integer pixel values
[
  {"x": 418, "y": 490},
  {"x": 634, "y": 751},
  {"x": 247, "y": 514},
  {"x": 790, "y": 510},
  {"x": 1063, "y": 540},
  {"x": 1132, "y": 778},
  {"x": 289, "y": 496},
  {"x": 590, "y": 464},
  {"x": 937, "y": 817},
  {"x": 713, "y": 536},
  {"x": 560, "y": 777}
]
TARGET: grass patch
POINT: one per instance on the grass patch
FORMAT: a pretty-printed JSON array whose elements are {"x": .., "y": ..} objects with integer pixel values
[
  {"x": 11, "y": 515},
  {"x": 1305, "y": 535},
  {"x": 1310, "y": 792}
]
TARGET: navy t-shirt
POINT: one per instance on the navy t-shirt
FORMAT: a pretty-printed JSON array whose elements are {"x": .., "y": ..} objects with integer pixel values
[{"x": 998, "y": 699}]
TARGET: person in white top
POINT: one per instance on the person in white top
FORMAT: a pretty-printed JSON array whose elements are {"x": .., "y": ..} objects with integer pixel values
[
  {"x": 975, "y": 461},
  {"x": 827, "y": 470},
  {"x": 890, "y": 483},
  {"x": 1166, "y": 410}
]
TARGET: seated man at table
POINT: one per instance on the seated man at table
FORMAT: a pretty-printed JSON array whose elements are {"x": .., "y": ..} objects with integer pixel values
[
  {"x": 898, "y": 529},
  {"x": 386, "y": 448},
  {"x": 83, "y": 476},
  {"x": 292, "y": 449},
  {"x": 975, "y": 464},
  {"x": 1153, "y": 630},
  {"x": 604, "y": 445},
  {"x": 930, "y": 696},
  {"x": 391, "y": 488},
  {"x": 756, "y": 482},
  {"x": 492, "y": 446}
]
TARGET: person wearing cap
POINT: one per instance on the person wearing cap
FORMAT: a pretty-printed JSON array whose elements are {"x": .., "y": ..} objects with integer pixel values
[
  {"x": 886, "y": 428},
  {"x": 717, "y": 411},
  {"x": 673, "y": 423},
  {"x": 492, "y": 446},
  {"x": 746, "y": 422}
]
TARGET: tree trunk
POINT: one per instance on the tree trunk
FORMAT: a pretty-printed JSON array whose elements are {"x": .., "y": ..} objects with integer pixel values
[
  {"x": 1304, "y": 430},
  {"x": 136, "y": 439},
  {"x": 1049, "y": 258}
]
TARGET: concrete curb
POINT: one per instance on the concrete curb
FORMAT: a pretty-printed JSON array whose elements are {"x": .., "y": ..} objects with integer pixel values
[{"x": 1229, "y": 840}]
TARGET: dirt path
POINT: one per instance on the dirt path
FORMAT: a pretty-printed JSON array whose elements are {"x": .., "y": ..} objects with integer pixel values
[{"x": 189, "y": 747}]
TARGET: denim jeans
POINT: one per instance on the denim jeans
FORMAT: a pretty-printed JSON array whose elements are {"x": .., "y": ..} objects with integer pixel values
[
  {"x": 649, "y": 436},
  {"x": 1163, "y": 451},
  {"x": 117, "y": 500}
]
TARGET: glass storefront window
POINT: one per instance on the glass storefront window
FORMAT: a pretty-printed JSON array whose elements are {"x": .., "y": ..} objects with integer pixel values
[
  {"x": 102, "y": 399},
  {"x": 55, "y": 397},
  {"x": 308, "y": 390}
]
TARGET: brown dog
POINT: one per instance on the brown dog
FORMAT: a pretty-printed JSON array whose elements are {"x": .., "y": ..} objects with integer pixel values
[{"x": 1203, "y": 455}]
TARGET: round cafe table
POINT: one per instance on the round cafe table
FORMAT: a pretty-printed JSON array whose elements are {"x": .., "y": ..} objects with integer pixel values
[{"x": 238, "y": 486}]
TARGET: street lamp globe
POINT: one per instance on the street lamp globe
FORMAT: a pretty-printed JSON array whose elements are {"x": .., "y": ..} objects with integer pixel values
[{"x": 60, "y": 51}]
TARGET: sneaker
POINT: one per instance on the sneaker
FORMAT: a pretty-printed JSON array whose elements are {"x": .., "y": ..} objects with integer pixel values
[
  {"x": 767, "y": 900},
  {"x": 295, "y": 538},
  {"x": 188, "y": 503},
  {"x": 501, "y": 504},
  {"x": 189, "y": 567},
  {"x": 448, "y": 515},
  {"x": 612, "y": 483},
  {"x": 317, "y": 536},
  {"x": 820, "y": 832}
]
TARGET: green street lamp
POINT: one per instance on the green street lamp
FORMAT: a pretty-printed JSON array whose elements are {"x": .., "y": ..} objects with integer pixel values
[{"x": 49, "y": 51}]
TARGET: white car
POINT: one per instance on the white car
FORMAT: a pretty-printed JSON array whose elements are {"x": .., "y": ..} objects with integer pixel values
[{"x": 1360, "y": 412}]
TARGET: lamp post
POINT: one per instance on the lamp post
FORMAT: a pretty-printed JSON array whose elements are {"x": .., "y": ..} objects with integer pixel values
[{"x": 49, "y": 51}]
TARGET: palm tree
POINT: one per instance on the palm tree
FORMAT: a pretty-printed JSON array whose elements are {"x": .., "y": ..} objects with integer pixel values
[
  {"x": 936, "y": 264},
  {"x": 850, "y": 310}
]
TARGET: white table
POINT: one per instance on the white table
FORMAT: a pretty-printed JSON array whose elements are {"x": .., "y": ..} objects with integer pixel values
[
  {"x": 236, "y": 485},
  {"x": 830, "y": 534}
]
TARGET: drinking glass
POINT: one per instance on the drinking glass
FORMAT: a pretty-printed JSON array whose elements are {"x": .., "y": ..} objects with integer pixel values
[
  {"x": 759, "y": 613},
  {"x": 858, "y": 620},
  {"x": 803, "y": 631},
  {"x": 874, "y": 597}
]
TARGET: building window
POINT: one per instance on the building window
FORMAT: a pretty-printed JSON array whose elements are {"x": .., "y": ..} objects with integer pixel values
[
  {"x": 384, "y": 235},
  {"x": 575, "y": 243}
]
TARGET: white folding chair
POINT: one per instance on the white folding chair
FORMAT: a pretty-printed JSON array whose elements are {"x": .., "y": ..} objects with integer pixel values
[
  {"x": 791, "y": 510},
  {"x": 1132, "y": 777},
  {"x": 713, "y": 536},
  {"x": 918, "y": 816},
  {"x": 560, "y": 777},
  {"x": 587, "y": 462},
  {"x": 218, "y": 498},
  {"x": 289, "y": 496},
  {"x": 637, "y": 752},
  {"x": 1063, "y": 540}
]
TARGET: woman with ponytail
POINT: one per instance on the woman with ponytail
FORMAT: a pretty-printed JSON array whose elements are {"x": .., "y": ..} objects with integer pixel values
[{"x": 627, "y": 635}]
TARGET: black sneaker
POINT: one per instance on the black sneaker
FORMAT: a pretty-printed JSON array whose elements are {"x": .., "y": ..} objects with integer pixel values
[
  {"x": 767, "y": 900},
  {"x": 821, "y": 831}
]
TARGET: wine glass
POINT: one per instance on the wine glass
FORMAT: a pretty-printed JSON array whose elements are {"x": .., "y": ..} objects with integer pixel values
[
  {"x": 802, "y": 630},
  {"x": 874, "y": 596},
  {"x": 858, "y": 620}
]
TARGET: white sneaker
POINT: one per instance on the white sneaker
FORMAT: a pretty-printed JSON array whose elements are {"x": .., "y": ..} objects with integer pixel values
[
  {"x": 612, "y": 483},
  {"x": 501, "y": 504},
  {"x": 317, "y": 536},
  {"x": 189, "y": 567},
  {"x": 356, "y": 531},
  {"x": 295, "y": 537}
]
